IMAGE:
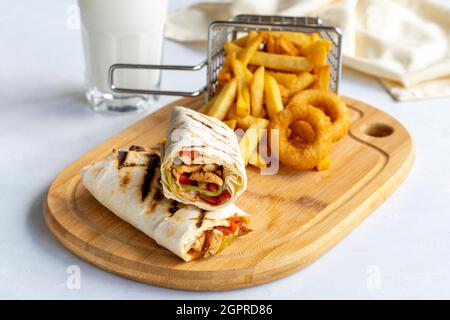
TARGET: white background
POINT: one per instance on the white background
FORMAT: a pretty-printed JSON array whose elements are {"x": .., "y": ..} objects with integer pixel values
[{"x": 401, "y": 251}]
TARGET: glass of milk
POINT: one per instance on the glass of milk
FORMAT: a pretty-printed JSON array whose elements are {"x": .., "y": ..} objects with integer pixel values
[{"x": 121, "y": 31}]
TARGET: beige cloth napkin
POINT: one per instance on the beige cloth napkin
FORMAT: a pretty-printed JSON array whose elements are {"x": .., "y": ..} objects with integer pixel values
[{"x": 406, "y": 43}]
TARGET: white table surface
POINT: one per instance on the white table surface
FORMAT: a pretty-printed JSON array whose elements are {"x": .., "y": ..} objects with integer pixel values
[{"x": 401, "y": 251}]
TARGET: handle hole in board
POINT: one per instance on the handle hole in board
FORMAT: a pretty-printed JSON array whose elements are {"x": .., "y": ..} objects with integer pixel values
[{"x": 379, "y": 130}]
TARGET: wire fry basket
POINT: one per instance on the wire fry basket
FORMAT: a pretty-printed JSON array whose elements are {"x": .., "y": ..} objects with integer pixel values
[{"x": 220, "y": 32}]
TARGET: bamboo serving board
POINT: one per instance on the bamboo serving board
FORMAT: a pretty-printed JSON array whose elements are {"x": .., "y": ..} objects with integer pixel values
[{"x": 298, "y": 216}]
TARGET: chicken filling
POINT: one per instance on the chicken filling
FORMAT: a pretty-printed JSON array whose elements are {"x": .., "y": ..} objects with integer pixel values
[
  {"x": 213, "y": 241},
  {"x": 202, "y": 181}
]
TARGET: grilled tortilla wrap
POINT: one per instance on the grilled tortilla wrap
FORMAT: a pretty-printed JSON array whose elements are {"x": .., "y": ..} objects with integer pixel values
[
  {"x": 202, "y": 164},
  {"x": 127, "y": 182}
]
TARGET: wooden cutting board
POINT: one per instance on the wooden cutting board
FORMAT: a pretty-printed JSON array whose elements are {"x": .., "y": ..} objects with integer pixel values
[{"x": 298, "y": 216}]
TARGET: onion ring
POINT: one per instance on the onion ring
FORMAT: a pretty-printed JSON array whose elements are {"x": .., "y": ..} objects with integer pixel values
[
  {"x": 302, "y": 156},
  {"x": 302, "y": 130},
  {"x": 330, "y": 104}
]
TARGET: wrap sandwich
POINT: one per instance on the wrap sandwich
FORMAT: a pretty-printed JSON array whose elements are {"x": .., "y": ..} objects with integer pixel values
[
  {"x": 127, "y": 182},
  {"x": 202, "y": 164}
]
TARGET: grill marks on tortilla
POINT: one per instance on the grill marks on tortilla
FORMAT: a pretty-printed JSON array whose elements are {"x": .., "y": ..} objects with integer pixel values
[
  {"x": 121, "y": 158},
  {"x": 226, "y": 147},
  {"x": 136, "y": 148},
  {"x": 157, "y": 197},
  {"x": 125, "y": 180},
  {"x": 153, "y": 163},
  {"x": 173, "y": 207},
  {"x": 151, "y": 177},
  {"x": 209, "y": 126},
  {"x": 200, "y": 218}
]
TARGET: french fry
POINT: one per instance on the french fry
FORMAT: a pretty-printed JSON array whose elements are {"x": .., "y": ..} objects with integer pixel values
[
  {"x": 284, "y": 94},
  {"x": 242, "y": 41},
  {"x": 314, "y": 37},
  {"x": 257, "y": 92},
  {"x": 243, "y": 91},
  {"x": 280, "y": 62},
  {"x": 246, "y": 122},
  {"x": 205, "y": 108},
  {"x": 316, "y": 52},
  {"x": 323, "y": 78},
  {"x": 224, "y": 100},
  {"x": 254, "y": 41},
  {"x": 270, "y": 43},
  {"x": 257, "y": 160},
  {"x": 250, "y": 140},
  {"x": 284, "y": 46},
  {"x": 230, "y": 47},
  {"x": 231, "y": 114},
  {"x": 243, "y": 109},
  {"x": 243, "y": 106},
  {"x": 304, "y": 80},
  {"x": 311, "y": 38},
  {"x": 298, "y": 39},
  {"x": 224, "y": 76},
  {"x": 272, "y": 60},
  {"x": 286, "y": 79},
  {"x": 231, "y": 123},
  {"x": 248, "y": 143},
  {"x": 225, "y": 72},
  {"x": 272, "y": 95}
]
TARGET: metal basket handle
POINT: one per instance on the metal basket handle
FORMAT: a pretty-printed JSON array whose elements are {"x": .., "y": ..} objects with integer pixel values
[
  {"x": 253, "y": 18},
  {"x": 116, "y": 66}
]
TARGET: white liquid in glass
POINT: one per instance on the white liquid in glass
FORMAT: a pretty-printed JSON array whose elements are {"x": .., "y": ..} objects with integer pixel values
[{"x": 121, "y": 31}]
